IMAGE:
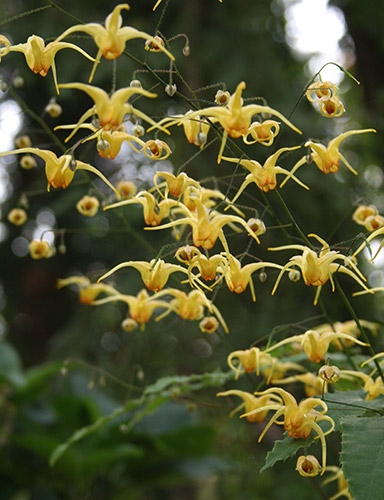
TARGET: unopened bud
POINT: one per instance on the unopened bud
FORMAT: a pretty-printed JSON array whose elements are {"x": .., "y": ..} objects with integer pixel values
[
  {"x": 186, "y": 50},
  {"x": 73, "y": 164},
  {"x": 309, "y": 158},
  {"x": 294, "y": 275},
  {"x": 103, "y": 146},
  {"x": 329, "y": 373},
  {"x": 266, "y": 115},
  {"x": 170, "y": 89},
  {"x": 27, "y": 162},
  {"x": 136, "y": 84},
  {"x": 95, "y": 122},
  {"x": 262, "y": 276},
  {"x": 201, "y": 139},
  {"x": 18, "y": 82},
  {"x": 138, "y": 130},
  {"x": 222, "y": 97},
  {"x": 23, "y": 141},
  {"x": 3, "y": 85},
  {"x": 53, "y": 109}
]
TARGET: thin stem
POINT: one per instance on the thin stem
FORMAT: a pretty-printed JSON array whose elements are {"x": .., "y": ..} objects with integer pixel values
[{"x": 291, "y": 218}]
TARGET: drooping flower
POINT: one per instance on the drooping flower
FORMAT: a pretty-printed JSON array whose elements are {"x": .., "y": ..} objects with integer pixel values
[
  {"x": 17, "y": 216},
  {"x": 251, "y": 402},
  {"x": 308, "y": 466},
  {"x": 111, "y": 38},
  {"x": 88, "y": 205},
  {"x": 40, "y": 249}
]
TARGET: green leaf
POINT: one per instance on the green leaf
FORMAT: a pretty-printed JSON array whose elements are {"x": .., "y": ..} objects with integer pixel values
[
  {"x": 349, "y": 404},
  {"x": 283, "y": 449},
  {"x": 10, "y": 364},
  {"x": 362, "y": 456}
]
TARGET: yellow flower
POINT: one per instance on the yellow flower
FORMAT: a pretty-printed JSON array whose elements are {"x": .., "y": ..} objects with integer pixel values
[
  {"x": 23, "y": 141},
  {"x": 154, "y": 149},
  {"x": 209, "y": 324},
  {"x": 248, "y": 360},
  {"x": 251, "y": 402},
  {"x": 329, "y": 373},
  {"x": 126, "y": 189},
  {"x": 141, "y": 307},
  {"x": 53, "y": 109},
  {"x": 374, "y": 222},
  {"x": 299, "y": 419},
  {"x": 323, "y": 91},
  {"x": 264, "y": 176},
  {"x": 129, "y": 324},
  {"x": 348, "y": 327},
  {"x": 88, "y": 205},
  {"x": 308, "y": 466},
  {"x": 112, "y": 38},
  {"x": 154, "y": 274},
  {"x": 5, "y": 46},
  {"x": 314, "y": 385},
  {"x": 315, "y": 344},
  {"x": 207, "y": 226},
  {"x": 317, "y": 268},
  {"x": 40, "y": 249},
  {"x": 27, "y": 162},
  {"x": 362, "y": 212},
  {"x": 331, "y": 108},
  {"x": 154, "y": 212},
  {"x": 40, "y": 57},
  {"x": 327, "y": 158},
  {"x": 60, "y": 171},
  {"x": 17, "y": 216},
  {"x": 110, "y": 110},
  {"x": 175, "y": 185},
  {"x": 264, "y": 132},
  {"x": 88, "y": 291},
  {"x": 234, "y": 117},
  {"x": 342, "y": 483}
]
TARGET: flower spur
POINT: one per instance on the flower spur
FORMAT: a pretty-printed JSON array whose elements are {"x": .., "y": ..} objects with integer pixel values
[
  {"x": 318, "y": 268},
  {"x": 40, "y": 57},
  {"x": 61, "y": 170},
  {"x": 299, "y": 419},
  {"x": 111, "y": 38},
  {"x": 251, "y": 402}
]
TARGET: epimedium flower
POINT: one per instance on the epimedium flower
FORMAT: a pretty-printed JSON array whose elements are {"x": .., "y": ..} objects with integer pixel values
[
  {"x": 374, "y": 222},
  {"x": 17, "y": 216},
  {"x": 156, "y": 149},
  {"x": 40, "y": 57},
  {"x": 195, "y": 129},
  {"x": 262, "y": 132},
  {"x": 234, "y": 117},
  {"x": 141, "y": 307},
  {"x": 154, "y": 212},
  {"x": 5, "y": 46},
  {"x": 126, "y": 189},
  {"x": 154, "y": 274},
  {"x": 332, "y": 107},
  {"x": 27, "y": 162},
  {"x": 248, "y": 360},
  {"x": 40, "y": 249},
  {"x": 60, "y": 170},
  {"x": 209, "y": 324},
  {"x": 88, "y": 292},
  {"x": 111, "y": 38},
  {"x": 322, "y": 90},
  {"x": 264, "y": 176},
  {"x": 327, "y": 158},
  {"x": 315, "y": 344},
  {"x": 210, "y": 268},
  {"x": 317, "y": 267},
  {"x": 251, "y": 402},
  {"x": 349, "y": 328},
  {"x": 175, "y": 185},
  {"x": 362, "y": 212},
  {"x": 342, "y": 483},
  {"x": 88, "y": 205},
  {"x": 308, "y": 466},
  {"x": 299, "y": 419},
  {"x": 110, "y": 110}
]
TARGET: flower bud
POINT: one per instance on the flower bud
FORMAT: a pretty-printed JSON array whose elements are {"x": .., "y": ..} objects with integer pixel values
[
  {"x": 266, "y": 115},
  {"x": 129, "y": 325},
  {"x": 136, "y": 84},
  {"x": 17, "y": 216},
  {"x": 88, "y": 205},
  {"x": 95, "y": 122},
  {"x": 3, "y": 85},
  {"x": 262, "y": 276},
  {"x": 18, "y": 82},
  {"x": 23, "y": 141},
  {"x": 308, "y": 466},
  {"x": 330, "y": 374},
  {"x": 126, "y": 189},
  {"x": 294, "y": 275},
  {"x": 72, "y": 164},
  {"x": 40, "y": 249},
  {"x": 103, "y": 146},
  {"x": 138, "y": 130},
  {"x": 170, "y": 89},
  {"x": 208, "y": 324},
  {"x": 155, "y": 45},
  {"x": 222, "y": 97},
  {"x": 27, "y": 162},
  {"x": 186, "y": 50},
  {"x": 201, "y": 139},
  {"x": 53, "y": 109}
]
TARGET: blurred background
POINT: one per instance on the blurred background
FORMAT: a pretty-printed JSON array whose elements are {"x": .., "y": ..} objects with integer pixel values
[{"x": 64, "y": 364}]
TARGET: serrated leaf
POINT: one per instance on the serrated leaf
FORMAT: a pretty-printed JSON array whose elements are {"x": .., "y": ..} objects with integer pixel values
[
  {"x": 362, "y": 456},
  {"x": 283, "y": 449},
  {"x": 349, "y": 404}
]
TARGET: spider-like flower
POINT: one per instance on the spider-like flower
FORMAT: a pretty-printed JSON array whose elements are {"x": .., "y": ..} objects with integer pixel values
[
  {"x": 313, "y": 384},
  {"x": 40, "y": 57},
  {"x": 190, "y": 306},
  {"x": 154, "y": 274},
  {"x": 362, "y": 212},
  {"x": 308, "y": 466},
  {"x": 60, "y": 170},
  {"x": 141, "y": 306},
  {"x": 248, "y": 360},
  {"x": 88, "y": 291},
  {"x": 318, "y": 268},
  {"x": 175, "y": 185},
  {"x": 207, "y": 226},
  {"x": 211, "y": 268},
  {"x": 111, "y": 38},
  {"x": 316, "y": 344},
  {"x": 234, "y": 117},
  {"x": 88, "y": 205},
  {"x": 299, "y": 419},
  {"x": 264, "y": 176},
  {"x": 373, "y": 235},
  {"x": 327, "y": 158},
  {"x": 154, "y": 212},
  {"x": 264, "y": 132},
  {"x": 251, "y": 402},
  {"x": 342, "y": 483},
  {"x": 110, "y": 110},
  {"x": 156, "y": 149}
]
